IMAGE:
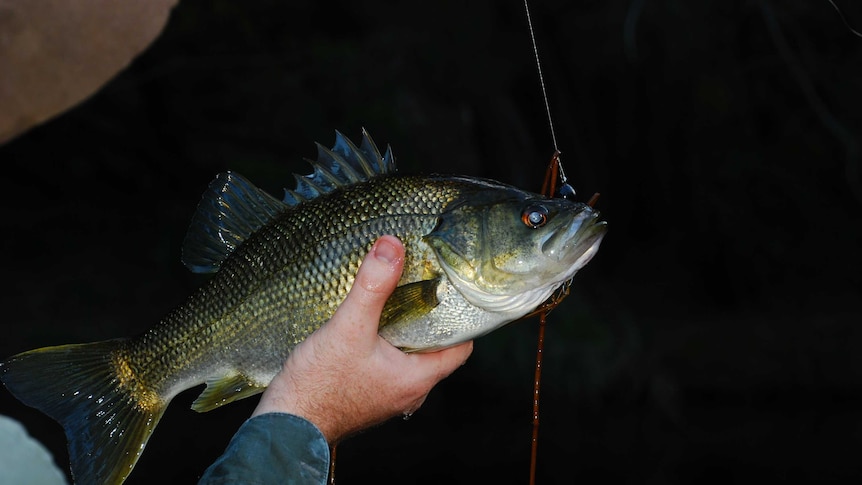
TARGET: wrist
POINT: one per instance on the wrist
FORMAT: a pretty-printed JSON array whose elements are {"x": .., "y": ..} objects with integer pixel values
[{"x": 272, "y": 403}]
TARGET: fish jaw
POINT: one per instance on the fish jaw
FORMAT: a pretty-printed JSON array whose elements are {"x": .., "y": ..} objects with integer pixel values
[{"x": 575, "y": 244}]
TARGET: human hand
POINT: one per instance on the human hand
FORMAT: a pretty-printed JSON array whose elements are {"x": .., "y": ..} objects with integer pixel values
[{"x": 344, "y": 377}]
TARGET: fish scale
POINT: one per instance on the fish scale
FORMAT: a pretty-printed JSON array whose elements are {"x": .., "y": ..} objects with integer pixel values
[
  {"x": 476, "y": 258},
  {"x": 278, "y": 300}
]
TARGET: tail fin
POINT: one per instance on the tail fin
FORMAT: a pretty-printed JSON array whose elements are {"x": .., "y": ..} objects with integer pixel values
[{"x": 107, "y": 423}]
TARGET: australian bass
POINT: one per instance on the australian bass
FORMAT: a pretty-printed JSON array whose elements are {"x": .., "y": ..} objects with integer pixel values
[{"x": 479, "y": 254}]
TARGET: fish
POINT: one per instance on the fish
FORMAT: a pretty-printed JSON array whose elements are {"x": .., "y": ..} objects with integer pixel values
[{"x": 478, "y": 255}]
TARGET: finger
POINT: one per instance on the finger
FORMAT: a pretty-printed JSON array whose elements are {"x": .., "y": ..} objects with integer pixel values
[
  {"x": 376, "y": 279},
  {"x": 430, "y": 369},
  {"x": 438, "y": 365}
]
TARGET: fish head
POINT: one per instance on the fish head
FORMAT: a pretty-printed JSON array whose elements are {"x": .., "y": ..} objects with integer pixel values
[{"x": 507, "y": 251}]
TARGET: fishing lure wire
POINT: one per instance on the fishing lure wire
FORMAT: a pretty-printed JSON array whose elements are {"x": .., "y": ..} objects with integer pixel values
[{"x": 566, "y": 190}]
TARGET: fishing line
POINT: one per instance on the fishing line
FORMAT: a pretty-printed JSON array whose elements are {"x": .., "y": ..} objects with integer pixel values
[
  {"x": 844, "y": 19},
  {"x": 547, "y": 104}
]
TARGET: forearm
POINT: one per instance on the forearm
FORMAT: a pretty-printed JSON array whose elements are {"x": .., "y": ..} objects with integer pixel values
[{"x": 272, "y": 448}]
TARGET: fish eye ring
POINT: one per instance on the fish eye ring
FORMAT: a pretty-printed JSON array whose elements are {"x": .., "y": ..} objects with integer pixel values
[{"x": 535, "y": 216}]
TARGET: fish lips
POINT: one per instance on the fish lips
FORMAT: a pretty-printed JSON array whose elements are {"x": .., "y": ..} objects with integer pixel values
[{"x": 574, "y": 243}]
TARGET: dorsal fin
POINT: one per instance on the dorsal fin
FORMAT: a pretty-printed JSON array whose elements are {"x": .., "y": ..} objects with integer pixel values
[
  {"x": 232, "y": 208},
  {"x": 345, "y": 164},
  {"x": 230, "y": 211}
]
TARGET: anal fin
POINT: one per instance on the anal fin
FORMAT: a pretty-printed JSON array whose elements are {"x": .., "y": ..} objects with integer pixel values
[{"x": 225, "y": 389}]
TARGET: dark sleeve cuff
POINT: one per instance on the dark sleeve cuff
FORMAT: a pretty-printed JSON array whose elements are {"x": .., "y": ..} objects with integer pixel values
[{"x": 272, "y": 448}]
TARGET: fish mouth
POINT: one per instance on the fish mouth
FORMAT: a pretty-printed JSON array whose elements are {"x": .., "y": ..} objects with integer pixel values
[
  {"x": 592, "y": 232},
  {"x": 575, "y": 243},
  {"x": 592, "y": 238}
]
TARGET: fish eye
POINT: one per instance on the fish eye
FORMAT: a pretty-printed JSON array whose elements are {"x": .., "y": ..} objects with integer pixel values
[{"x": 535, "y": 216}]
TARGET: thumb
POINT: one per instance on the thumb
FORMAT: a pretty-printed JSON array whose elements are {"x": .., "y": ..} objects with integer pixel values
[{"x": 376, "y": 279}]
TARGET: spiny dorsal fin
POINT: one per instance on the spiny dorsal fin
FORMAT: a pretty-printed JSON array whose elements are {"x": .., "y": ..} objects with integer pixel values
[
  {"x": 345, "y": 164},
  {"x": 231, "y": 210}
]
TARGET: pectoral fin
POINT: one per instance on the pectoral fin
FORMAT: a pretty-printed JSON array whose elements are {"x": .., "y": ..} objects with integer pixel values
[
  {"x": 224, "y": 390},
  {"x": 410, "y": 301}
]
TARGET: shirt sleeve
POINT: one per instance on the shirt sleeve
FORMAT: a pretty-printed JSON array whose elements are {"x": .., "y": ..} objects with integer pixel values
[{"x": 272, "y": 448}]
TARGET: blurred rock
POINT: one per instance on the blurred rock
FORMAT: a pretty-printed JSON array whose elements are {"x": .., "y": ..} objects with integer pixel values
[
  {"x": 25, "y": 460},
  {"x": 54, "y": 54}
]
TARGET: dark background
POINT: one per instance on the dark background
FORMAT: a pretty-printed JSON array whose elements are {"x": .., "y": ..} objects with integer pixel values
[{"x": 715, "y": 337}]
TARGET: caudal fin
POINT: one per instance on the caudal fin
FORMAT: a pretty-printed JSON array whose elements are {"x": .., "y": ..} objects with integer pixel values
[{"x": 107, "y": 424}]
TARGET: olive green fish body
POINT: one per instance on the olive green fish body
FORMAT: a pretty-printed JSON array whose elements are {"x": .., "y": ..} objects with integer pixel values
[
  {"x": 286, "y": 280},
  {"x": 479, "y": 254}
]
